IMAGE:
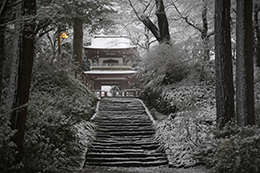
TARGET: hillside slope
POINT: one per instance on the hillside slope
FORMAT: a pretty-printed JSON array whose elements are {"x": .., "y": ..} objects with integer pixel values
[{"x": 58, "y": 131}]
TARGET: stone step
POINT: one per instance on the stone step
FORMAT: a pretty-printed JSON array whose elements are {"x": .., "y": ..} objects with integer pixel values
[
  {"x": 127, "y": 139},
  {"x": 124, "y": 137},
  {"x": 115, "y": 154},
  {"x": 116, "y": 150},
  {"x": 125, "y": 150},
  {"x": 114, "y": 126},
  {"x": 123, "y": 129},
  {"x": 129, "y": 163},
  {"x": 129, "y": 146},
  {"x": 104, "y": 159},
  {"x": 122, "y": 120},
  {"x": 125, "y": 133},
  {"x": 148, "y": 124},
  {"x": 120, "y": 108},
  {"x": 122, "y": 112},
  {"x": 116, "y": 117},
  {"x": 124, "y": 143}
]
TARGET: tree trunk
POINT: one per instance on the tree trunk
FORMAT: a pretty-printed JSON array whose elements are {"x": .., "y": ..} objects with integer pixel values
[
  {"x": 257, "y": 35},
  {"x": 2, "y": 54},
  {"x": 161, "y": 33},
  {"x": 204, "y": 31},
  {"x": 21, "y": 78},
  {"x": 162, "y": 22},
  {"x": 3, "y": 4},
  {"x": 244, "y": 64},
  {"x": 151, "y": 26},
  {"x": 12, "y": 99},
  {"x": 78, "y": 41},
  {"x": 223, "y": 60}
]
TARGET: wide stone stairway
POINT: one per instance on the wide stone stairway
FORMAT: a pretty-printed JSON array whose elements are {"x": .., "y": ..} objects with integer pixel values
[{"x": 125, "y": 136}]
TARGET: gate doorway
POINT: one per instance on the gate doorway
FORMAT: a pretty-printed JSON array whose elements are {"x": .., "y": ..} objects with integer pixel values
[{"x": 111, "y": 90}]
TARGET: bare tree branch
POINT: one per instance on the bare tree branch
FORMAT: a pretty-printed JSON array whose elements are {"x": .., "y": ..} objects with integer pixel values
[
  {"x": 3, "y": 7},
  {"x": 186, "y": 19},
  {"x": 211, "y": 33},
  {"x": 147, "y": 22},
  {"x": 44, "y": 32},
  {"x": 161, "y": 32},
  {"x": 151, "y": 26},
  {"x": 146, "y": 5},
  {"x": 131, "y": 4},
  {"x": 15, "y": 3}
]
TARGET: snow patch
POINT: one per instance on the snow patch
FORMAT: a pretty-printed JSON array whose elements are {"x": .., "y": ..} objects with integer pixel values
[{"x": 110, "y": 42}]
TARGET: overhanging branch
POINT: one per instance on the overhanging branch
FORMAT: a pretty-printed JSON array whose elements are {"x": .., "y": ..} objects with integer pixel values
[
  {"x": 3, "y": 7},
  {"x": 151, "y": 26},
  {"x": 186, "y": 19}
]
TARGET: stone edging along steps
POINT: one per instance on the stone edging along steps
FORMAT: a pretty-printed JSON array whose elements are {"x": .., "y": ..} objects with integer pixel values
[{"x": 125, "y": 136}]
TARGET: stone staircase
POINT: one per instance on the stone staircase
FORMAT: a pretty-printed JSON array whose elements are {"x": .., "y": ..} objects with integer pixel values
[{"x": 124, "y": 136}]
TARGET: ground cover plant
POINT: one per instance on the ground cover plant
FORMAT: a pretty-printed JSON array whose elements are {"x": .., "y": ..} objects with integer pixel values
[
  {"x": 190, "y": 126},
  {"x": 57, "y": 130},
  {"x": 188, "y": 134}
]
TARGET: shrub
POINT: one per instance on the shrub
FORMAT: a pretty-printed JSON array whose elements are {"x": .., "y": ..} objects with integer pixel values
[
  {"x": 182, "y": 133},
  {"x": 172, "y": 98},
  {"x": 58, "y": 115},
  {"x": 169, "y": 64},
  {"x": 7, "y": 146},
  {"x": 234, "y": 149},
  {"x": 164, "y": 60},
  {"x": 185, "y": 130},
  {"x": 154, "y": 98}
]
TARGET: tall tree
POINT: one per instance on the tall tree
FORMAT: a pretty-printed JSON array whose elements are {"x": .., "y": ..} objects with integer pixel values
[
  {"x": 96, "y": 9},
  {"x": 3, "y": 4},
  {"x": 223, "y": 60},
  {"x": 78, "y": 40},
  {"x": 21, "y": 70},
  {"x": 257, "y": 33},
  {"x": 244, "y": 64}
]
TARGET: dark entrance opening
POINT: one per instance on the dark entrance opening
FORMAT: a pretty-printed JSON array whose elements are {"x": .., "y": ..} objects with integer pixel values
[{"x": 111, "y": 62}]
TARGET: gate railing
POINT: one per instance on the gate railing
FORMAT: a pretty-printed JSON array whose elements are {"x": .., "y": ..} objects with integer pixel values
[{"x": 118, "y": 93}]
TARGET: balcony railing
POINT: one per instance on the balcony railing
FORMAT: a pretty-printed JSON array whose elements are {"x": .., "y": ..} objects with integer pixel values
[{"x": 110, "y": 66}]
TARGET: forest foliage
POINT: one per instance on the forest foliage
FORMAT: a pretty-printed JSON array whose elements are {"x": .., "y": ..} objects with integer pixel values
[
  {"x": 58, "y": 131},
  {"x": 186, "y": 95},
  {"x": 175, "y": 80},
  {"x": 185, "y": 91}
]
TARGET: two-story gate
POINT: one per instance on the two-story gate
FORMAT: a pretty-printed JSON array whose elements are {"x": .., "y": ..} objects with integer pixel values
[{"x": 111, "y": 59}]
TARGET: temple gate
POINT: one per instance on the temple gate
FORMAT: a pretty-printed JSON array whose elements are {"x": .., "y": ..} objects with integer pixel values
[{"x": 111, "y": 59}]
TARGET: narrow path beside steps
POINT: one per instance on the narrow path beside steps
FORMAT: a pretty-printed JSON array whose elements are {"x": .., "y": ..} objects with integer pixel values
[{"x": 125, "y": 136}]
